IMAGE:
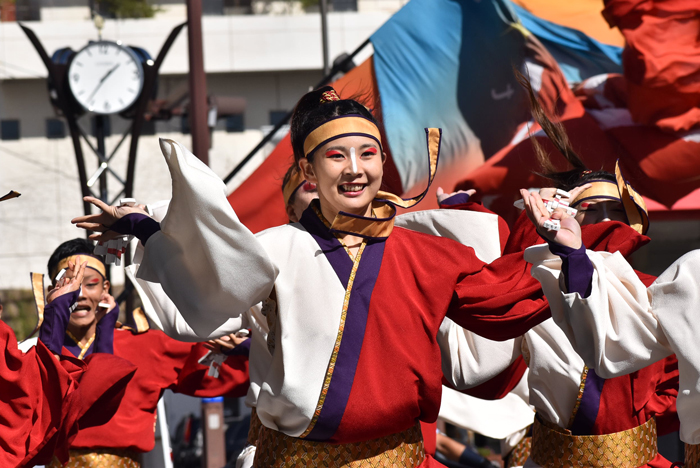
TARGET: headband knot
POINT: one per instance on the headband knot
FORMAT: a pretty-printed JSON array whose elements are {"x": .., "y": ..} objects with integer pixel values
[{"x": 329, "y": 96}]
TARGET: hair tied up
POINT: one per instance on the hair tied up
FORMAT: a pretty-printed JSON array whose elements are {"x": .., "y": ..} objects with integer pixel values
[{"x": 329, "y": 96}]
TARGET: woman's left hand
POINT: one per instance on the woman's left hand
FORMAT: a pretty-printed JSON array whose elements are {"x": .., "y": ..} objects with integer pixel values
[
  {"x": 100, "y": 223},
  {"x": 570, "y": 232},
  {"x": 225, "y": 343}
]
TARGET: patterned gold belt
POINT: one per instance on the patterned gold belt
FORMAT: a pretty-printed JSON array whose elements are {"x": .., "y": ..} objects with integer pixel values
[
  {"x": 552, "y": 447},
  {"x": 692, "y": 456},
  {"x": 520, "y": 453},
  {"x": 99, "y": 458},
  {"x": 276, "y": 449},
  {"x": 254, "y": 429}
]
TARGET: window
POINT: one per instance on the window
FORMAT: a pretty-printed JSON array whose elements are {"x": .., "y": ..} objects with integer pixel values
[
  {"x": 234, "y": 123},
  {"x": 9, "y": 129},
  {"x": 276, "y": 116},
  {"x": 55, "y": 129}
]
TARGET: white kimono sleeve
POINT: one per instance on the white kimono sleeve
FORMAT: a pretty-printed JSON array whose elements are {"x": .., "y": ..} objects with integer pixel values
[
  {"x": 468, "y": 359},
  {"x": 207, "y": 262}
]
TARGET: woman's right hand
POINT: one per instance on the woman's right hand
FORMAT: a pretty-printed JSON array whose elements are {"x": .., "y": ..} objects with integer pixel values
[
  {"x": 100, "y": 223},
  {"x": 71, "y": 281},
  {"x": 568, "y": 235}
]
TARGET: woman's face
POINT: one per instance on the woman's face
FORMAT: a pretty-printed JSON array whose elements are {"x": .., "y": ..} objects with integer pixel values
[
  {"x": 93, "y": 289},
  {"x": 347, "y": 173},
  {"x": 598, "y": 210}
]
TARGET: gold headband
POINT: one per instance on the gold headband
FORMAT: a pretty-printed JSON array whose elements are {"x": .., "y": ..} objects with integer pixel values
[
  {"x": 295, "y": 181},
  {"x": 92, "y": 262},
  {"x": 598, "y": 189},
  {"x": 633, "y": 203},
  {"x": 338, "y": 127}
]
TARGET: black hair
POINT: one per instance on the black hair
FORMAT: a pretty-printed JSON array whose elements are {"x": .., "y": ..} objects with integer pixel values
[
  {"x": 565, "y": 180},
  {"x": 310, "y": 112},
  {"x": 69, "y": 248}
]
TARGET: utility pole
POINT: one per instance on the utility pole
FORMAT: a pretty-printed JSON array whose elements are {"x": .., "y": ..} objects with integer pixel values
[
  {"x": 197, "y": 111},
  {"x": 323, "y": 7}
]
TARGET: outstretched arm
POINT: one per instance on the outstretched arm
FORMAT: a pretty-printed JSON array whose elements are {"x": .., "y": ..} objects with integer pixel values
[{"x": 207, "y": 262}]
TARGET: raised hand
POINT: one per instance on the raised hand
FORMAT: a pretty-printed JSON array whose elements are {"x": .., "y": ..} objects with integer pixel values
[
  {"x": 102, "y": 311},
  {"x": 570, "y": 232},
  {"x": 70, "y": 282},
  {"x": 101, "y": 222},
  {"x": 441, "y": 195}
]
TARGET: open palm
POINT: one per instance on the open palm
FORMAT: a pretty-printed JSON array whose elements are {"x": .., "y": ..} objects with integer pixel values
[{"x": 570, "y": 233}]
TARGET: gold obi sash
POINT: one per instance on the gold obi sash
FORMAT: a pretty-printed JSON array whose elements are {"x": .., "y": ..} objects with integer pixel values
[
  {"x": 521, "y": 452},
  {"x": 692, "y": 456},
  {"x": 276, "y": 449},
  {"x": 104, "y": 458},
  {"x": 254, "y": 430},
  {"x": 553, "y": 447}
]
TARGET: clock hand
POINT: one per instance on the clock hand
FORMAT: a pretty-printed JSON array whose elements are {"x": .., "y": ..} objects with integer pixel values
[{"x": 103, "y": 80}]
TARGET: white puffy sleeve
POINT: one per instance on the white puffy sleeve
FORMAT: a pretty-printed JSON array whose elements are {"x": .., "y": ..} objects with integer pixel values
[
  {"x": 468, "y": 359},
  {"x": 210, "y": 266},
  {"x": 614, "y": 329}
]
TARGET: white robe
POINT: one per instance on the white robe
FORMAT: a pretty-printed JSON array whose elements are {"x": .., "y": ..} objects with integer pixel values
[{"x": 623, "y": 326}]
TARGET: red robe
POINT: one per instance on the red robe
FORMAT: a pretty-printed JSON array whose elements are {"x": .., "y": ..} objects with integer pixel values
[
  {"x": 44, "y": 400},
  {"x": 161, "y": 363}
]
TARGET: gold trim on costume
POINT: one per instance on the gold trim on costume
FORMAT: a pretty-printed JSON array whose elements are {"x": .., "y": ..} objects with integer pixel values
[
  {"x": 520, "y": 453},
  {"x": 336, "y": 347},
  {"x": 104, "y": 458},
  {"x": 581, "y": 388},
  {"x": 276, "y": 450},
  {"x": 339, "y": 126},
  {"x": 141, "y": 324},
  {"x": 83, "y": 348},
  {"x": 12, "y": 194},
  {"x": 92, "y": 262},
  {"x": 554, "y": 448},
  {"x": 635, "y": 208},
  {"x": 692, "y": 456},
  {"x": 254, "y": 430},
  {"x": 39, "y": 299}
]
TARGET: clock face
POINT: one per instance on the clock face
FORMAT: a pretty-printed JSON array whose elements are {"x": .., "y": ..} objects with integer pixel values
[{"x": 105, "y": 77}]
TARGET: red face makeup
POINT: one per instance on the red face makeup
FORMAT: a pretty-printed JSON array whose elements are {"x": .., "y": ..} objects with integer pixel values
[
  {"x": 333, "y": 153},
  {"x": 370, "y": 150}
]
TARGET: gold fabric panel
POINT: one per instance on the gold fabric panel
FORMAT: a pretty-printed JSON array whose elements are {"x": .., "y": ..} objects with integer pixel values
[
  {"x": 626, "y": 449},
  {"x": 336, "y": 346},
  {"x": 520, "y": 453},
  {"x": 404, "y": 449},
  {"x": 294, "y": 182},
  {"x": 635, "y": 208},
  {"x": 87, "y": 458},
  {"x": 39, "y": 299},
  {"x": 692, "y": 456},
  {"x": 254, "y": 430},
  {"x": 340, "y": 126},
  {"x": 10, "y": 195},
  {"x": 581, "y": 388}
]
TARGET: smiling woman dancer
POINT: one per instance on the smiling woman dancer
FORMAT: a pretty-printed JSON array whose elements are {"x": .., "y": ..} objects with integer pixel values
[{"x": 353, "y": 303}]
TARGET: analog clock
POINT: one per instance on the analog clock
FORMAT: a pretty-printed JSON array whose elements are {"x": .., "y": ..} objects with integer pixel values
[{"x": 105, "y": 77}]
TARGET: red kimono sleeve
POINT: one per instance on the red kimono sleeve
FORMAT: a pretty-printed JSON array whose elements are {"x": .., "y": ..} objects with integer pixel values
[
  {"x": 503, "y": 300},
  {"x": 42, "y": 400},
  {"x": 192, "y": 379}
]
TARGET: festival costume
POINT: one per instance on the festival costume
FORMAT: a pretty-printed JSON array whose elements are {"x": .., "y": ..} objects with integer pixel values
[
  {"x": 334, "y": 320},
  {"x": 44, "y": 400},
  {"x": 657, "y": 321},
  {"x": 161, "y": 363},
  {"x": 572, "y": 400}
]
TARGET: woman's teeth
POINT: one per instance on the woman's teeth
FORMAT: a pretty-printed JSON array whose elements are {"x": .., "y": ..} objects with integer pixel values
[{"x": 352, "y": 188}]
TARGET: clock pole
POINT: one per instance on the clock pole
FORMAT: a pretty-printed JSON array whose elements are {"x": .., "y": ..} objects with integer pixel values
[{"x": 198, "y": 83}]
